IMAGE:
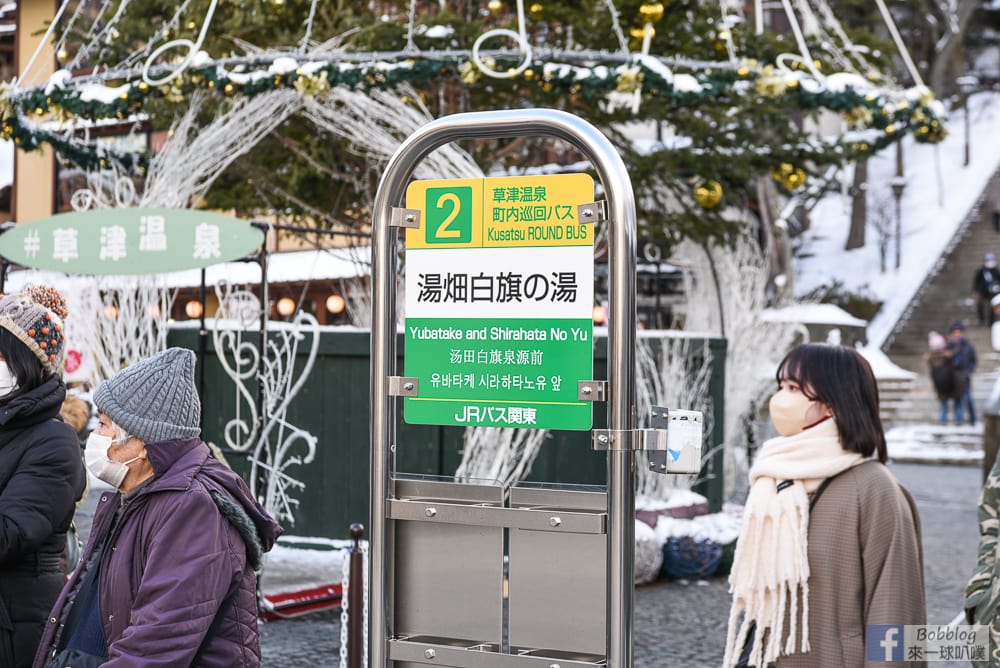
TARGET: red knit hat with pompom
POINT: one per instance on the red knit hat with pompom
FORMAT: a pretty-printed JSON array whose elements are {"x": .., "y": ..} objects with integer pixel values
[{"x": 36, "y": 317}]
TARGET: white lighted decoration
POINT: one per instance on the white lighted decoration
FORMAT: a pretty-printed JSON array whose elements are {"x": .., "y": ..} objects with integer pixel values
[
  {"x": 193, "y": 309},
  {"x": 260, "y": 427},
  {"x": 192, "y": 49},
  {"x": 285, "y": 306},
  {"x": 521, "y": 37},
  {"x": 335, "y": 304}
]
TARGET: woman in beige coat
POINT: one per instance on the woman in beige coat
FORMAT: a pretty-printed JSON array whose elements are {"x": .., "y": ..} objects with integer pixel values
[{"x": 830, "y": 543}]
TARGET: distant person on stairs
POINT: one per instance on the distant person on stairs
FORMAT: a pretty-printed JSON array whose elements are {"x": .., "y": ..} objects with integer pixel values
[
  {"x": 947, "y": 382},
  {"x": 985, "y": 286},
  {"x": 964, "y": 355}
]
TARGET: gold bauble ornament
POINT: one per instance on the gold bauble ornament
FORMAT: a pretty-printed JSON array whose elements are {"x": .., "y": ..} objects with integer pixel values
[
  {"x": 708, "y": 194},
  {"x": 62, "y": 54},
  {"x": 228, "y": 90},
  {"x": 796, "y": 179},
  {"x": 789, "y": 176},
  {"x": 637, "y": 33},
  {"x": 536, "y": 11},
  {"x": 529, "y": 74},
  {"x": 143, "y": 87},
  {"x": 651, "y": 12},
  {"x": 495, "y": 6}
]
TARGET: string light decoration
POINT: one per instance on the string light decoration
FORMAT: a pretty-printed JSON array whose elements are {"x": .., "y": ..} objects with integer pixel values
[
  {"x": 543, "y": 62},
  {"x": 889, "y": 114}
]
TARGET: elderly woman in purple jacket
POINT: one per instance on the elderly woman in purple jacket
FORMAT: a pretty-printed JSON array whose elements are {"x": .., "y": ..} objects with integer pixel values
[{"x": 168, "y": 575}]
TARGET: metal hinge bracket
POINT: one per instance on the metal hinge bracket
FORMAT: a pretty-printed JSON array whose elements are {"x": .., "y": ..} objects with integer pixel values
[
  {"x": 400, "y": 217},
  {"x": 592, "y": 390},
  {"x": 592, "y": 212},
  {"x": 635, "y": 439},
  {"x": 400, "y": 386}
]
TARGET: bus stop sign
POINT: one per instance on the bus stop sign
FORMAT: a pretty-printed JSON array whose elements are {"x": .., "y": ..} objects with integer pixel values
[{"x": 499, "y": 302}]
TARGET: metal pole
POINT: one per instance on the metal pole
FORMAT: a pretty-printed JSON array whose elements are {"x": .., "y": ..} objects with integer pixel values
[
  {"x": 965, "y": 110},
  {"x": 202, "y": 344},
  {"x": 621, "y": 346},
  {"x": 265, "y": 312},
  {"x": 356, "y": 600},
  {"x": 897, "y": 194}
]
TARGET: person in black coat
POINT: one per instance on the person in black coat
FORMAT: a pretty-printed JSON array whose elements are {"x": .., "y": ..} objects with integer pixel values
[
  {"x": 41, "y": 471},
  {"x": 986, "y": 286}
]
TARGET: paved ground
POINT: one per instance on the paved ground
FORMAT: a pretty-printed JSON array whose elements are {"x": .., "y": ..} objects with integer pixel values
[{"x": 683, "y": 625}]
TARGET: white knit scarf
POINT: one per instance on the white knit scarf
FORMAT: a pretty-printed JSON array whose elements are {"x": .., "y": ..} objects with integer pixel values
[{"x": 771, "y": 567}]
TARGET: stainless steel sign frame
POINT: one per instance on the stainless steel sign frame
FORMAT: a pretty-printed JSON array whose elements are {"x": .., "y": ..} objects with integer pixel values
[{"x": 399, "y": 508}]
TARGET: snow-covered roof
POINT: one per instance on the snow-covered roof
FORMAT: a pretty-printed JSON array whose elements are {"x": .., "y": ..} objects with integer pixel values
[
  {"x": 812, "y": 314},
  {"x": 285, "y": 267}
]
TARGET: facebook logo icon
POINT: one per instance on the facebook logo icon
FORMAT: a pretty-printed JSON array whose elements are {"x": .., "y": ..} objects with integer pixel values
[{"x": 884, "y": 642}]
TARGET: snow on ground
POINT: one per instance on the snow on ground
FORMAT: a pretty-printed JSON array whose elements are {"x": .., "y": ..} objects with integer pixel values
[
  {"x": 938, "y": 196},
  {"x": 295, "y": 563},
  {"x": 720, "y": 528},
  {"x": 679, "y": 498},
  {"x": 936, "y": 444}
]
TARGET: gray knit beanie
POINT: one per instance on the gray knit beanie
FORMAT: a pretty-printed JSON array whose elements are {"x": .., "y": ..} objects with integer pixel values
[{"x": 154, "y": 399}]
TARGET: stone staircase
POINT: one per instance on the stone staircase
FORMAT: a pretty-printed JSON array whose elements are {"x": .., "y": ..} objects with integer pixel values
[
  {"x": 913, "y": 402},
  {"x": 910, "y": 409},
  {"x": 946, "y": 293}
]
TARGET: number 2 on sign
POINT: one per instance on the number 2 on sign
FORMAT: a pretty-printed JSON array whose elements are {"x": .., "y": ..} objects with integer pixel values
[
  {"x": 449, "y": 215},
  {"x": 443, "y": 232}
]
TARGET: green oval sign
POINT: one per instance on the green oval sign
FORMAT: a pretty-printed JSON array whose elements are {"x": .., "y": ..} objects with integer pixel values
[{"x": 129, "y": 241}]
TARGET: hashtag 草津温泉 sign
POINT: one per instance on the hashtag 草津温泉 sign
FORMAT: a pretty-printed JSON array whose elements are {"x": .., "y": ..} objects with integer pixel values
[
  {"x": 129, "y": 241},
  {"x": 499, "y": 302}
]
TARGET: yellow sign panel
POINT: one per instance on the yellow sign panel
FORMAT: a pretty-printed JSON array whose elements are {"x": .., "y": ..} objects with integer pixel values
[{"x": 500, "y": 212}]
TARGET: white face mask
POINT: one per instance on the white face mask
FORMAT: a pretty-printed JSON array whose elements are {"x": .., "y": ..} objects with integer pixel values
[
  {"x": 8, "y": 381},
  {"x": 96, "y": 457}
]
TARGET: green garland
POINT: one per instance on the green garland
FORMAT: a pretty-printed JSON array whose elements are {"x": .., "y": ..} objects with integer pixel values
[{"x": 882, "y": 118}]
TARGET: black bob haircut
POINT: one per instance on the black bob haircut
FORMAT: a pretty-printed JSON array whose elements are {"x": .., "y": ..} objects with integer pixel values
[
  {"x": 842, "y": 379},
  {"x": 23, "y": 363}
]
